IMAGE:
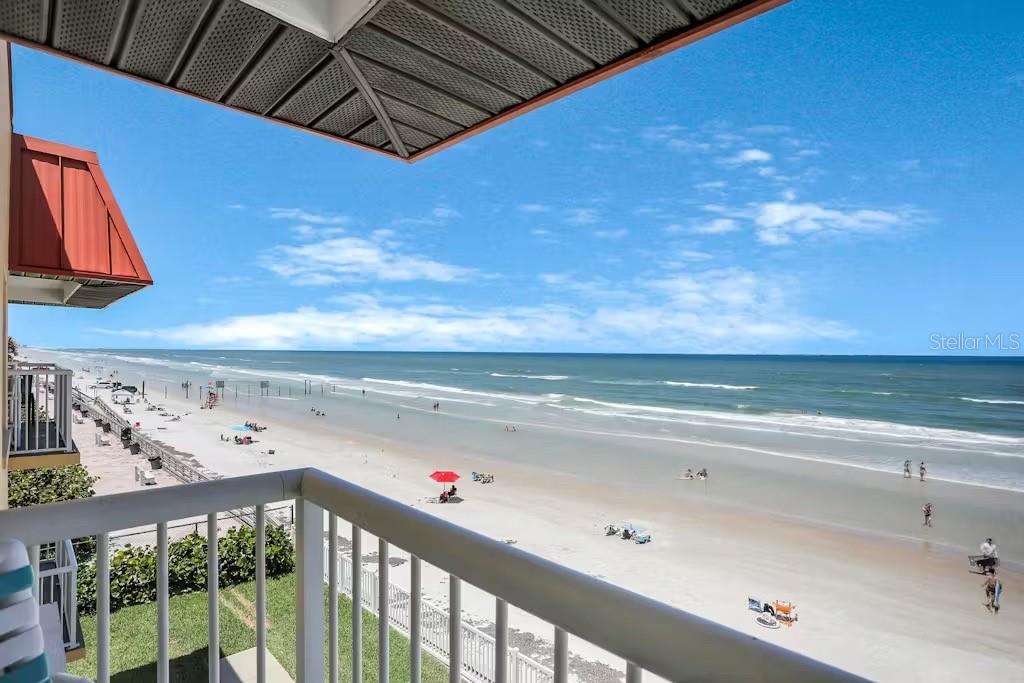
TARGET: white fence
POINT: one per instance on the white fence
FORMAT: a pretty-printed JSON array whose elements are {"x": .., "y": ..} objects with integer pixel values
[{"x": 478, "y": 648}]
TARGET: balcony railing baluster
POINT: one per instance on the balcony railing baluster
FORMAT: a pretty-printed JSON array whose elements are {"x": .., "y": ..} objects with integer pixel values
[
  {"x": 309, "y": 572},
  {"x": 500, "y": 641},
  {"x": 633, "y": 673},
  {"x": 415, "y": 636},
  {"x": 103, "y": 608},
  {"x": 561, "y": 656},
  {"x": 383, "y": 612},
  {"x": 454, "y": 629},
  {"x": 261, "y": 594},
  {"x": 162, "y": 606},
  {"x": 357, "y": 603},
  {"x": 332, "y": 580},
  {"x": 212, "y": 572}
]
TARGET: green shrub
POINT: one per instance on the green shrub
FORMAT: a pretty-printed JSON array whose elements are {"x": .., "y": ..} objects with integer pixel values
[
  {"x": 49, "y": 485},
  {"x": 54, "y": 485},
  {"x": 133, "y": 568}
]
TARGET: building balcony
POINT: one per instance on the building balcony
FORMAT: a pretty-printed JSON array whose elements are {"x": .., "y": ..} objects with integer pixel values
[
  {"x": 647, "y": 635},
  {"x": 40, "y": 417}
]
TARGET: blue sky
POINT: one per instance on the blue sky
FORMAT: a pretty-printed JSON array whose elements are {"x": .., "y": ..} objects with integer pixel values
[{"x": 827, "y": 178}]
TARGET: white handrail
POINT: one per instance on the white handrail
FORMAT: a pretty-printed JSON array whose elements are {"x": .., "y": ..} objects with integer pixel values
[{"x": 651, "y": 635}]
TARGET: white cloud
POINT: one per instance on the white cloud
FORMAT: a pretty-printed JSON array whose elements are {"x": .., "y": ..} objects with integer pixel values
[
  {"x": 712, "y": 185},
  {"x": 445, "y": 213},
  {"x": 341, "y": 259},
  {"x": 693, "y": 255},
  {"x": 581, "y": 216},
  {"x": 534, "y": 208},
  {"x": 611, "y": 234},
  {"x": 768, "y": 129},
  {"x": 717, "y": 226},
  {"x": 437, "y": 216},
  {"x": 303, "y": 216},
  {"x": 230, "y": 279},
  {"x": 719, "y": 310},
  {"x": 749, "y": 156},
  {"x": 780, "y": 222},
  {"x": 236, "y": 206}
]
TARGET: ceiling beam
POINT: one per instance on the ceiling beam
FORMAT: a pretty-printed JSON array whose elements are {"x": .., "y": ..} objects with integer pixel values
[{"x": 371, "y": 98}]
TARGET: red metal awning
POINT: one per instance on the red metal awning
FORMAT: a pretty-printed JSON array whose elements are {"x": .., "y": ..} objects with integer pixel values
[{"x": 69, "y": 242}]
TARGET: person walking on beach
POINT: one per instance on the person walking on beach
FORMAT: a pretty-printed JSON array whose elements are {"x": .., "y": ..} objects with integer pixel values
[
  {"x": 923, "y": 471},
  {"x": 993, "y": 591},
  {"x": 927, "y": 511},
  {"x": 989, "y": 555},
  {"x": 906, "y": 469}
]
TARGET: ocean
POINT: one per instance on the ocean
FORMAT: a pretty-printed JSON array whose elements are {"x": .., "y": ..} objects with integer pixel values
[{"x": 964, "y": 416}]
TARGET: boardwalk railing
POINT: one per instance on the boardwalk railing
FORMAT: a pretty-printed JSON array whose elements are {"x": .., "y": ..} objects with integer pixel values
[
  {"x": 478, "y": 648},
  {"x": 176, "y": 465},
  {"x": 646, "y": 634}
]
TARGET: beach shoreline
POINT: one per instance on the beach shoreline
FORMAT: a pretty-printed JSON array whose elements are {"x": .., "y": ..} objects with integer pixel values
[{"x": 863, "y": 594}]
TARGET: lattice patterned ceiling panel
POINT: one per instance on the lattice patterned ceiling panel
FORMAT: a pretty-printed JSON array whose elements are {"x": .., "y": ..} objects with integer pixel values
[{"x": 408, "y": 78}]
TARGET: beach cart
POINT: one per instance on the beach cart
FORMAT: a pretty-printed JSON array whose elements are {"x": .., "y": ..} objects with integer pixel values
[{"x": 980, "y": 564}]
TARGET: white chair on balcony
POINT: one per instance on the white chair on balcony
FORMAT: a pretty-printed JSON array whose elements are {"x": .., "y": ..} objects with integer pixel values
[{"x": 23, "y": 656}]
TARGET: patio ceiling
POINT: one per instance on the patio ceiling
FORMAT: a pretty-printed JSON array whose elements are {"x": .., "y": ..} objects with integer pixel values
[{"x": 401, "y": 77}]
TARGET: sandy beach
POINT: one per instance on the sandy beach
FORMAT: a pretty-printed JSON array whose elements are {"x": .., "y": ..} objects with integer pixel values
[{"x": 890, "y": 601}]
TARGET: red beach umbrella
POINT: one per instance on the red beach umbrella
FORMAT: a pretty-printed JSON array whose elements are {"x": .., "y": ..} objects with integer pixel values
[{"x": 444, "y": 477}]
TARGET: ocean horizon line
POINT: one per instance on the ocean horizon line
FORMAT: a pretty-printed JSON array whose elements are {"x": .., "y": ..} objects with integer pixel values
[{"x": 652, "y": 354}]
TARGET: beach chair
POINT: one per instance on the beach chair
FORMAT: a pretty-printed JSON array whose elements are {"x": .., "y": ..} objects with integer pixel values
[
  {"x": 642, "y": 537},
  {"x": 785, "y": 612},
  {"x": 30, "y": 652},
  {"x": 102, "y": 439},
  {"x": 148, "y": 478}
]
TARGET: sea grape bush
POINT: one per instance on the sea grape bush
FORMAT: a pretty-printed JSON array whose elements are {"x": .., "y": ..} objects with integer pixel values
[{"x": 133, "y": 568}]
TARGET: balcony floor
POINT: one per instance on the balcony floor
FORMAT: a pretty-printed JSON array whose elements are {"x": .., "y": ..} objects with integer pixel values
[
  {"x": 241, "y": 668},
  {"x": 31, "y": 461}
]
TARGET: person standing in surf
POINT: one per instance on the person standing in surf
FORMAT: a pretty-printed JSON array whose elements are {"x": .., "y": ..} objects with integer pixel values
[
  {"x": 927, "y": 511},
  {"x": 906, "y": 469},
  {"x": 922, "y": 470}
]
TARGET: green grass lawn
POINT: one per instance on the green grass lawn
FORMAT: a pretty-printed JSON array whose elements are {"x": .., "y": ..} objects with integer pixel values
[{"x": 133, "y": 637}]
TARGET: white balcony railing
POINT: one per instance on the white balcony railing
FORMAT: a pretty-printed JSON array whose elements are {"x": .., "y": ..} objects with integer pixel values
[
  {"x": 646, "y": 634},
  {"x": 39, "y": 409},
  {"x": 58, "y": 585}
]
